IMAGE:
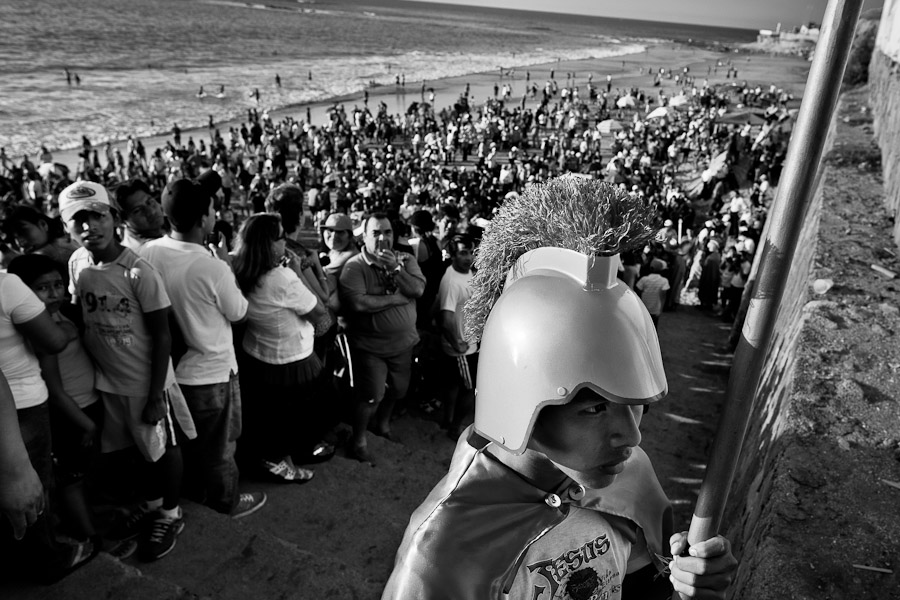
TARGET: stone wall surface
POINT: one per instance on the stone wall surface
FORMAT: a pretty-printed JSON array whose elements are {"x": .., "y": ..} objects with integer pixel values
[
  {"x": 812, "y": 509},
  {"x": 889, "y": 30},
  {"x": 751, "y": 514},
  {"x": 884, "y": 83}
]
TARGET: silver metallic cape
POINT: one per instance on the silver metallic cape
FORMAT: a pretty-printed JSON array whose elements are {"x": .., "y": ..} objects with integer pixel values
[{"x": 466, "y": 540}]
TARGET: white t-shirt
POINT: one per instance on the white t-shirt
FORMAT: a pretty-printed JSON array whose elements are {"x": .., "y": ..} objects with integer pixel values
[
  {"x": 277, "y": 333},
  {"x": 76, "y": 370},
  {"x": 651, "y": 287},
  {"x": 114, "y": 297},
  {"x": 206, "y": 300},
  {"x": 18, "y": 304},
  {"x": 453, "y": 293}
]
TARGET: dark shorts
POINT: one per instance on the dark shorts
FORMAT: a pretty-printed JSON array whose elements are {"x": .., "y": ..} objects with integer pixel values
[
  {"x": 34, "y": 423},
  {"x": 72, "y": 459},
  {"x": 460, "y": 370},
  {"x": 372, "y": 373}
]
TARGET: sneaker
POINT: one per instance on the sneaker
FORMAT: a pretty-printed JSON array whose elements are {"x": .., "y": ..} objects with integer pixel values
[
  {"x": 161, "y": 536},
  {"x": 248, "y": 504},
  {"x": 72, "y": 556},
  {"x": 123, "y": 549},
  {"x": 135, "y": 523}
]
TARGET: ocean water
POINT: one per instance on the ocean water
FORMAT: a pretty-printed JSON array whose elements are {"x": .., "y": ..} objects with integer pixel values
[{"x": 142, "y": 62}]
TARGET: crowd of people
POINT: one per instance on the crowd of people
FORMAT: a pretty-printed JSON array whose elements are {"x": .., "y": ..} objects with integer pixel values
[{"x": 218, "y": 307}]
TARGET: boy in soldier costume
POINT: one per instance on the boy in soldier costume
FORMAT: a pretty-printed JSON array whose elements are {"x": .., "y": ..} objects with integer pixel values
[{"x": 549, "y": 495}]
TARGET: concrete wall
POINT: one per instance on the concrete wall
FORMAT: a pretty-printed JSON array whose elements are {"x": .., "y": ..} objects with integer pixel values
[
  {"x": 751, "y": 514},
  {"x": 884, "y": 85},
  {"x": 766, "y": 514},
  {"x": 888, "y": 41}
]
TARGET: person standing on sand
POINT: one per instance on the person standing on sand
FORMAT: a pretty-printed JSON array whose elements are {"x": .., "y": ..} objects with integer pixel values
[
  {"x": 378, "y": 290},
  {"x": 653, "y": 289}
]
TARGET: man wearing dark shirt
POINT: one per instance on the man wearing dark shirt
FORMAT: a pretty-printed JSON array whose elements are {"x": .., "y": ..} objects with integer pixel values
[{"x": 379, "y": 289}]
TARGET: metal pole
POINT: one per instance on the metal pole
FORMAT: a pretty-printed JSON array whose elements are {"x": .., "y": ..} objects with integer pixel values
[{"x": 795, "y": 192}]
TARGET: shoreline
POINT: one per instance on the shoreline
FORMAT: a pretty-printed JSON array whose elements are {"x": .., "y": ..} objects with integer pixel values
[
  {"x": 448, "y": 90},
  {"x": 380, "y": 92},
  {"x": 636, "y": 47}
]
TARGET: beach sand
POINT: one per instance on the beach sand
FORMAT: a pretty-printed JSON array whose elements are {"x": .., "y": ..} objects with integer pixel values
[{"x": 789, "y": 72}]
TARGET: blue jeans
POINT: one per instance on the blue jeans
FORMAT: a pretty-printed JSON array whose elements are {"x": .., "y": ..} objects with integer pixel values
[{"x": 211, "y": 474}]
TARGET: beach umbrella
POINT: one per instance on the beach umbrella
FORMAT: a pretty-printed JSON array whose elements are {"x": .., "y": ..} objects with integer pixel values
[
  {"x": 625, "y": 101},
  {"x": 743, "y": 117},
  {"x": 660, "y": 112},
  {"x": 609, "y": 126},
  {"x": 679, "y": 100}
]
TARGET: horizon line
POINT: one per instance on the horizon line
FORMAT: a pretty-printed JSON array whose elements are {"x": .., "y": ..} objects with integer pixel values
[{"x": 474, "y": 4}]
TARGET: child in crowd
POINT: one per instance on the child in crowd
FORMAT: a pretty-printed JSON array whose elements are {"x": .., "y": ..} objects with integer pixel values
[
  {"x": 75, "y": 413},
  {"x": 652, "y": 288},
  {"x": 125, "y": 310}
]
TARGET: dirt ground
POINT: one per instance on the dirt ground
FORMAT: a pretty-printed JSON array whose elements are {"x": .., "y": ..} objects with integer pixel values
[{"x": 837, "y": 493}]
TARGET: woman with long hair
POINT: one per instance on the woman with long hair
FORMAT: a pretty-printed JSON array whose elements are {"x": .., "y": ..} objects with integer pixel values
[{"x": 279, "y": 364}]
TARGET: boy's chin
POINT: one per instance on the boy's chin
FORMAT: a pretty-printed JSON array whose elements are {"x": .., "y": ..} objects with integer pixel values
[{"x": 595, "y": 479}]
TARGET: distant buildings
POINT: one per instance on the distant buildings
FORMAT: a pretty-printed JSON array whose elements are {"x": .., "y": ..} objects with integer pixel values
[{"x": 808, "y": 33}]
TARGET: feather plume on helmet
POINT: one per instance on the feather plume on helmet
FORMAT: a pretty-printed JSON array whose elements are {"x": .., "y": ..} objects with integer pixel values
[{"x": 586, "y": 215}]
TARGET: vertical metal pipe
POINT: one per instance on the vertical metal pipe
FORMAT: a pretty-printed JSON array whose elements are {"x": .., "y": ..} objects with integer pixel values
[{"x": 795, "y": 192}]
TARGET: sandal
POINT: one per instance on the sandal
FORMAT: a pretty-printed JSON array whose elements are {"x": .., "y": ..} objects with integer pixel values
[{"x": 288, "y": 473}]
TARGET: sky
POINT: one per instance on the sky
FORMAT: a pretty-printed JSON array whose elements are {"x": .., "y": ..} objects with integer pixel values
[{"x": 744, "y": 14}]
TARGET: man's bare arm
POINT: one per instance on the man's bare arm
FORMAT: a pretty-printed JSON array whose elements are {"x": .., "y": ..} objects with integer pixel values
[{"x": 373, "y": 303}]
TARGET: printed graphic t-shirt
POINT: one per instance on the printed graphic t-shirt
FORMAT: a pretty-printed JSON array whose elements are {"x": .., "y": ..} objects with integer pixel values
[
  {"x": 583, "y": 558},
  {"x": 114, "y": 297}
]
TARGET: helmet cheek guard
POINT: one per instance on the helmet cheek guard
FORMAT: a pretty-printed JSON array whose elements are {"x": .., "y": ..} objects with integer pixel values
[{"x": 563, "y": 323}]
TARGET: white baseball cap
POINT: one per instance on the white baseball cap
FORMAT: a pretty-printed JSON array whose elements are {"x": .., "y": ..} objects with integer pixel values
[{"x": 84, "y": 195}]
